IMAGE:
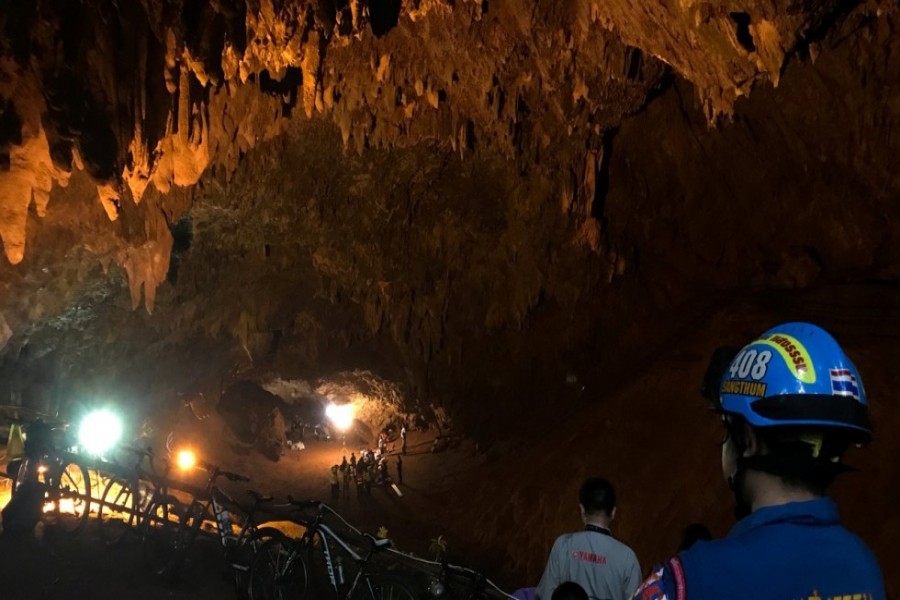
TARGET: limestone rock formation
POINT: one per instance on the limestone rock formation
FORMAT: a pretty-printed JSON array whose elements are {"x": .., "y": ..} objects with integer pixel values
[{"x": 530, "y": 219}]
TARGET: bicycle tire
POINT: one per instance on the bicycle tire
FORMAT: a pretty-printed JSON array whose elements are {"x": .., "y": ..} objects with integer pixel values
[
  {"x": 279, "y": 571},
  {"x": 188, "y": 525},
  {"x": 242, "y": 555},
  {"x": 383, "y": 587},
  {"x": 71, "y": 497},
  {"x": 29, "y": 469},
  {"x": 118, "y": 511},
  {"x": 159, "y": 527}
]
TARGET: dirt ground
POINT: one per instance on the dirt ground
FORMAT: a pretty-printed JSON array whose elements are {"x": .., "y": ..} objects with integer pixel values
[{"x": 50, "y": 565}]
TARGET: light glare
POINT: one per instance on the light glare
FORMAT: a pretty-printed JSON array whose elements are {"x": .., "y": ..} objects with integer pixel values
[
  {"x": 340, "y": 415},
  {"x": 99, "y": 432},
  {"x": 186, "y": 459}
]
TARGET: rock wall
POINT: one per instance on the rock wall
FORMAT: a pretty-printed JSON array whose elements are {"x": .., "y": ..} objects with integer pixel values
[
  {"x": 491, "y": 272},
  {"x": 154, "y": 93},
  {"x": 469, "y": 213}
]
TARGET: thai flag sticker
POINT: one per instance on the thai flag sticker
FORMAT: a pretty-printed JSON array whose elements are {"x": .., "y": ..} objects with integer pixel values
[{"x": 843, "y": 383}]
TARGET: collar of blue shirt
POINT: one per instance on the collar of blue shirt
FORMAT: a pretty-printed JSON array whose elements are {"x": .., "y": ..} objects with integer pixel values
[{"x": 822, "y": 511}]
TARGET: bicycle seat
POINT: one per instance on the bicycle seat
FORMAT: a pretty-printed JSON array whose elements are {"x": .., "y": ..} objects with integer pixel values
[
  {"x": 378, "y": 542},
  {"x": 259, "y": 498}
]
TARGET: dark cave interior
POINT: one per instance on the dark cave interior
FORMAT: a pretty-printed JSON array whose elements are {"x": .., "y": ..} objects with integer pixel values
[{"x": 528, "y": 223}]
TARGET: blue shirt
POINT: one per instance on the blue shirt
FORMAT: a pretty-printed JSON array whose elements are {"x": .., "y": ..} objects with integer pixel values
[{"x": 794, "y": 551}]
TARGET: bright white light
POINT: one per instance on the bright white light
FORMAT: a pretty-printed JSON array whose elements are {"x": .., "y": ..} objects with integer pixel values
[
  {"x": 341, "y": 415},
  {"x": 99, "y": 432}
]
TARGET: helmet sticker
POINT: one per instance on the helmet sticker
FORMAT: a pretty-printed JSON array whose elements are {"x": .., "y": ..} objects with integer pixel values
[
  {"x": 744, "y": 388},
  {"x": 750, "y": 362},
  {"x": 843, "y": 383},
  {"x": 794, "y": 354}
]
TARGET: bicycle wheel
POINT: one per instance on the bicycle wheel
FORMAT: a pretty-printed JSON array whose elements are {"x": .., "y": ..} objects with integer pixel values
[
  {"x": 382, "y": 587},
  {"x": 159, "y": 529},
  {"x": 71, "y": 497},
  {"x": 31, "y": 468},
  {"x": 242, "y": 554},
  {"x": 278, "y": 572},
  {"x": 188, "y": 526},
  {"x": 117, "y": 514}
]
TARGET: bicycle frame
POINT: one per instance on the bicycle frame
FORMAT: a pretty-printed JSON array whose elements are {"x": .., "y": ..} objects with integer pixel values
[
  {"x": 329, "y": 537},
  {"x": 132, "y": 494},
  {"x": 213, "y": 507},
  {"x": 158, "y": 490},
  {"x": 329, "y": 560}
]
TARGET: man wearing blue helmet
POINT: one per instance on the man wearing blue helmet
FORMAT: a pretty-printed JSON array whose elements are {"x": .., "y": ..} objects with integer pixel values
[{"x": 791, "y": 403}]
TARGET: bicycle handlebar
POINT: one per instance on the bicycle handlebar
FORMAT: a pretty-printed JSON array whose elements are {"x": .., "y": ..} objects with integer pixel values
[
  {"x": 215, "y": 472},
  {"x": 148, "y": 451},
  {"x": 305, "y": 503},
  {"x": 377, "y": 543},
  {"x": 259, "y": 498}
]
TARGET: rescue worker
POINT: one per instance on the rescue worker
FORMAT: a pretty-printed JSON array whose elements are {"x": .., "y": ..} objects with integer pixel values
[
  {"x": 335, "y": 486},
  {"x": 367, "y": 481},
  {"x": 791, "y": 402},
  {"x": 383, "y": 471},
  {"x": 15, "y": 452},
  {"x": 605, "y": 567},
  {"x": 347, "y": 476},
  {"x": 24, "y": 509}
]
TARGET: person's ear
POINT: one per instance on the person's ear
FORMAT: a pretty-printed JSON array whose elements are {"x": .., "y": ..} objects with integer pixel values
[
  {"x": 751, "y": 442},
  {"x": 581, "y": 508},
  {"x": 612, "y": 515}
]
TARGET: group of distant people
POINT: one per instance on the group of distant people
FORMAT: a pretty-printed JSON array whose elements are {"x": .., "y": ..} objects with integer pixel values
[
  {"x": 371, "y": 468},
  {"x": 295, "y": 435},
  {"x": 791, "y": 402},
  {"x": 385, "y": 444}
]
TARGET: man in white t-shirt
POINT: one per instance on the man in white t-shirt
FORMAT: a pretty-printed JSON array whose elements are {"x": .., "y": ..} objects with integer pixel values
[{"x": 606, "y": 568}]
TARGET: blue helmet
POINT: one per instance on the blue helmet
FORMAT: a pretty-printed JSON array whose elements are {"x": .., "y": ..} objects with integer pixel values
[{"x": 796, "y": 374}]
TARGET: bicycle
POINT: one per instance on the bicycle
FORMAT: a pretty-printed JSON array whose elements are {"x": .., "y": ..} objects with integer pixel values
[
  {"x": 238, "y": 549},
  {"x": 158, "y": 525},
  {"x": 138, "y": 500},
  {"x": 461, "y": 583},
  {"x": 127, "y": 495},
  {"x": 62, "y": 481},
  {"x": 280, "y": 570}
]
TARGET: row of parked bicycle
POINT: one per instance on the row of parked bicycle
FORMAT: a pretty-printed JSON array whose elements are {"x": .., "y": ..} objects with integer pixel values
[{"x": 136, "y": 498}]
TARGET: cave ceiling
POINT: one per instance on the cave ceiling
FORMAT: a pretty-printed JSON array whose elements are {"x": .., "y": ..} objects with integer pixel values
[{"x": 423, "y": 181}]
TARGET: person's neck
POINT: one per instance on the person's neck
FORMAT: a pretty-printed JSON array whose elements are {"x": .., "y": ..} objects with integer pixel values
[
  {"x": 597, "y": 521},
  {"x": 768, "y": 490}
]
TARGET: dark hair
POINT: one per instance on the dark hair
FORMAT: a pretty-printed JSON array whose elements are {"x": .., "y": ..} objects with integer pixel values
[
  {"x": 569, "y": 590},
  {"x": 791, "y": 457},
  {"x": 597, "y": 495},
  {"x": 692, "y": 534}
]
